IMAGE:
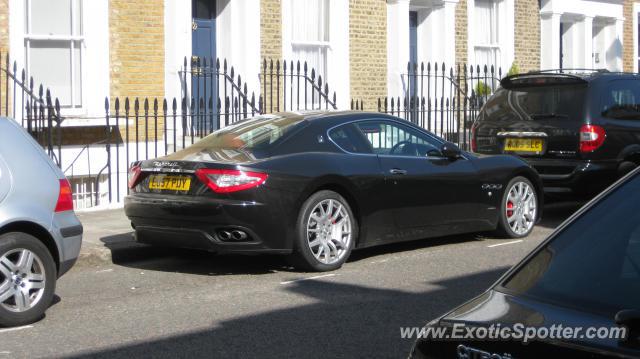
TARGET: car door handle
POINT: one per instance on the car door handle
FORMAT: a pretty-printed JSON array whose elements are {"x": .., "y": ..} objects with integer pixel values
[{"x": 397, "y": 171}]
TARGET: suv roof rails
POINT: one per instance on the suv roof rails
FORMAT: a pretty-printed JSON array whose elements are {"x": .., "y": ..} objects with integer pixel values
[
  {"x": 568, "y": 71},
  {"x": 540, "y": 78}
]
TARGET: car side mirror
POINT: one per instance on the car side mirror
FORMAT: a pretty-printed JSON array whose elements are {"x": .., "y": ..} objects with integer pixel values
[{"x": 450, "y": 151}]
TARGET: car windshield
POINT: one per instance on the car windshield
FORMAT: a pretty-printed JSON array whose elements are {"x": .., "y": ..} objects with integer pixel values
[
  {"x": 255, "y": 135},
  {"x": 558, "y": 103},
  {"x": 594, "y": 263}
]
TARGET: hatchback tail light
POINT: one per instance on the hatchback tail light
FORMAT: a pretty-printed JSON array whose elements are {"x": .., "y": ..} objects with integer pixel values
[
  {"x": 591, "y": 138},
  {"x": 225, "y": 181},
  {"x": 133, "y": 176},
  {"x": 65, "y": 197}
]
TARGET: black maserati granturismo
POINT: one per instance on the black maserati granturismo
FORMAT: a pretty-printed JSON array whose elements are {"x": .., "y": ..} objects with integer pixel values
[{"x": 316, "y": 185}]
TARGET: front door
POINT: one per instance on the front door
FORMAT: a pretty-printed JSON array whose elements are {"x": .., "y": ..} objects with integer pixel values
[
  {"x": 204, "y": 89},
  {"x": 429, "y": 194}
]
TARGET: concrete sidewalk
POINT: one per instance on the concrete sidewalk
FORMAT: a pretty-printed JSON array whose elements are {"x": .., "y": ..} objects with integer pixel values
[{"x": 106, "y": 234}]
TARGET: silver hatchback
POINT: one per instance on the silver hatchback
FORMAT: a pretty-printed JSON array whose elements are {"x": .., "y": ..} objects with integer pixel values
[{"x": 40, "y": 235}]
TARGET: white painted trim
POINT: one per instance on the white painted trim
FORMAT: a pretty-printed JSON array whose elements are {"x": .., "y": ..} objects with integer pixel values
[{"x": 177, "y": 45}]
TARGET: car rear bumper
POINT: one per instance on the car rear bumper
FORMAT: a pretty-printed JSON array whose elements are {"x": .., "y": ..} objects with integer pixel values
[
  {"x": 579, "y": 178},
  {"x": 198, "y": 223},
  {"x": 67, "y": 231}
]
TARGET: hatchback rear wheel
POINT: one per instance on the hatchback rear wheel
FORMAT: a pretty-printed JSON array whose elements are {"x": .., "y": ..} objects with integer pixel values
[
  {"x": 326, "y": 232},
  {"x": 27, "y": 279}
]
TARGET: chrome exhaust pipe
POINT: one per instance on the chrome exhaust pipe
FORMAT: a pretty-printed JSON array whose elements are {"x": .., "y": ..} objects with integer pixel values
[
  {"x": 239, "y": 235},
  {"x": 224, "y": 235}
]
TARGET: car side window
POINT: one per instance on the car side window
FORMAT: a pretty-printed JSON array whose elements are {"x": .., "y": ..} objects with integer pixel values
[
  {"x": 621, "y": 100},
  {"x": 391, "y": 138},
  {"x": 350, "y": 139}
]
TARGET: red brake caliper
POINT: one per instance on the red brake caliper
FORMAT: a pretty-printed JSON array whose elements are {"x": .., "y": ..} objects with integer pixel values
[{"x": 509, "y": 209}]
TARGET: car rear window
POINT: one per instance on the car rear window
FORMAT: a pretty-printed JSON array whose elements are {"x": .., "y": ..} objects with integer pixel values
[
  {"x": 594, "y": 263},
  {"x": 563, "y": 102},
  {"x": 258, "y": 134}
]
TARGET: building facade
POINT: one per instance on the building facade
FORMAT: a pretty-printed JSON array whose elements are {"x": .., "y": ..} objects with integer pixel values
[{"x": 87, "y": 51}]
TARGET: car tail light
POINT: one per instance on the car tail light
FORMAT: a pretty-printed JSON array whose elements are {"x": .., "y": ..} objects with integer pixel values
[
  {"x": 591, "y": 138},
  {"x": 133, "y": 176},
  {"x": 225, "y": 181},
  {"x": 65, "y": 197},
  {"x": 474, "y": 144}
]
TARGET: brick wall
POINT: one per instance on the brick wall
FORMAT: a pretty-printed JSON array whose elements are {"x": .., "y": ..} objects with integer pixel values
[
  {"x": 136, "y": 35},
  {"x": 4, "y": 25},
  {"x": 270, "y": 29},
  {"x": 368, "y": 51},
  {"x": 4, "y": 43},
  {"x": 527, "y": 36},
  {"x": 461, "y": 32},
  {"x": 627, "y": 47},
  {"x": 136, "y": 56}
]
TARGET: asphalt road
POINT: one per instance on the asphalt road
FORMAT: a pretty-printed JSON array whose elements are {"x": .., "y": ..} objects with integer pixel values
[{"x": 186, "y": 304}]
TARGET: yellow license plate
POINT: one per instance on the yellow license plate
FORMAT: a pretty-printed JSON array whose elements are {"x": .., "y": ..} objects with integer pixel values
[
  {"x": 169, "y": 183},
  {"x": 523, "y": 145}
]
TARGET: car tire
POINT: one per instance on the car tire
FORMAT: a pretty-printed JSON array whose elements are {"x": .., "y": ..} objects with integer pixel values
[
  {"x": 325, "y": 235},
  {"x": 14, "y": 247},
  {"x": 518, "y": 208}
]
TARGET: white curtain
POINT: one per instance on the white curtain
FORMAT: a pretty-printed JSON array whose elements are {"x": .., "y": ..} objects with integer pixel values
[
  {"x": 310, "y": 33},
  {"x": 486, "y": 33}
]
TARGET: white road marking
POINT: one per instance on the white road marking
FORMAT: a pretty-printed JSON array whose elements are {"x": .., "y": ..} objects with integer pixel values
[
  {"x": 105, "y": 270},
  {"x": 15, "y": 329},
  {"x": 309, "y": 278},
  {"x": 505, "y": 243}
]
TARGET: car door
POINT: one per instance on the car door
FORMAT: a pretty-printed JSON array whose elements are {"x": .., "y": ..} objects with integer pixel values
[{"x": 428, "y": 193}]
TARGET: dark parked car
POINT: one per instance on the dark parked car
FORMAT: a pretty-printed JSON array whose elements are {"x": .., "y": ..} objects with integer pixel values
[
  {"x": 581, "y": 132},
  {"x": 317, "y": 185},
  {"x": 585, "y": 275}
]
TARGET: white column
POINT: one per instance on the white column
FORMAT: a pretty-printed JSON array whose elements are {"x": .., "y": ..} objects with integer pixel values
[
  {"x": 587, "y": 42},
  {"x": 617, "y": 45},
  {"x": 550, "y": 40},
  {"x": 448, "y": 35},
  {"x": 397, "y": 45}
]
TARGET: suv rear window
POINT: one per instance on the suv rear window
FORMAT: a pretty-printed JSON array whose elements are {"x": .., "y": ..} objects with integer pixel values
[
  {"x": 622, "y": 100},
  {"x": 563, "y": 102},
  {"x": 594, "y": 263}
]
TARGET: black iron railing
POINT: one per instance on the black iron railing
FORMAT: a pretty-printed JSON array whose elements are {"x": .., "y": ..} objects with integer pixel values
[
  {"x": 32, "y": 106},
  {"x": 440, "y": 99}
]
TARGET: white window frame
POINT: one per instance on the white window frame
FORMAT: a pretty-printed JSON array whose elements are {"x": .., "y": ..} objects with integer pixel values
[
  {"x": 73, "y": 40},
  {"x": 337, "y": 63},
  {"x": 96, "y": 68},
  {"x": 503, "y": 50}
]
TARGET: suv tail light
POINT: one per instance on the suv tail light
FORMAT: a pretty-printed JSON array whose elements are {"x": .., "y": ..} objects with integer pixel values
[
  {"x": 65, "y": 197},
  {"x": 225, "y": 181},
  {"x": 591, "y": 138},
  {"x": 133, "y": 176}
]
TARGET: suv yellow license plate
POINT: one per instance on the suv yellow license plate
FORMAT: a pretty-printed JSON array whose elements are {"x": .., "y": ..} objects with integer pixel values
[
  {"x": 524, "y": 145},
  {"x": 169, "y": 183}
]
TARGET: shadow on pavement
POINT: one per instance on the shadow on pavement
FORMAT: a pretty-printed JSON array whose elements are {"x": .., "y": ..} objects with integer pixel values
[
  {"x": 557, "y": 212},
  {"x": 343, "y": 321}
]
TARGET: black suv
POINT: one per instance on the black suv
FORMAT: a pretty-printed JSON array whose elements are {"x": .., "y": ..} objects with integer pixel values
[{"x": 580, "y": 131}]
